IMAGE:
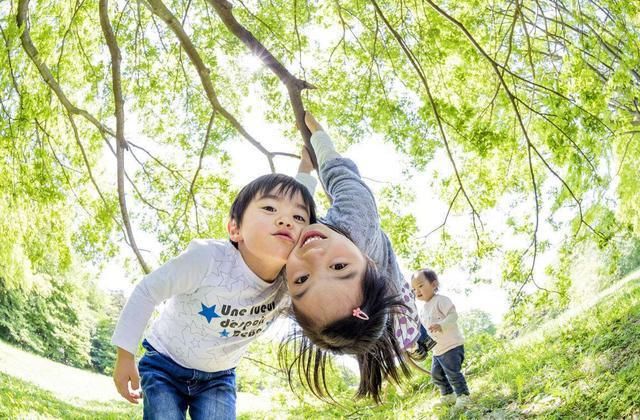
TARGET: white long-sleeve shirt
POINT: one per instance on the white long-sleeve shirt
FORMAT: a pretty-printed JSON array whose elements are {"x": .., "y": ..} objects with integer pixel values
[
  {"x": 215, "y": 306},
  {"x": 440, "y": 310}
]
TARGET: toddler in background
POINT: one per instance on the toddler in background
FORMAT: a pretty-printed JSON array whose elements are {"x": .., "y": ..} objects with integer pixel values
[{"x": 439, "y": 317}]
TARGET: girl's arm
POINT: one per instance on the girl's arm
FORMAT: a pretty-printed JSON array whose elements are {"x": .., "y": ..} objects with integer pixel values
[
  {"x": 304, "y": 171},
  {"x": 353, "y": 206}
]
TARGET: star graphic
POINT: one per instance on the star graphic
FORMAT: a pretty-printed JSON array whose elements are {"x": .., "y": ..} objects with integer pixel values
[
  {"x": 208, "y": 312},
  {"x": 224, "y": 333}
]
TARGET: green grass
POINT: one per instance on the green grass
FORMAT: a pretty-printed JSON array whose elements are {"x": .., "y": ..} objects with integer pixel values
[
  {"x": 587, "y": 368},
  {"x": 23, "y": 400}
]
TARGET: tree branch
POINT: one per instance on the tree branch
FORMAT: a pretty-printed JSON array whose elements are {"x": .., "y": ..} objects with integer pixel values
[
  {"x": 195, "y": 175},
  {"x": 436, "y": 113},
  {"x": 121, "y": 144},
  {"x": 158, "y": 8},
  {"x": 294, "y": 85},
  {"x": 32, "y": 52},
  {"x": 14, "y": 81},
  {"x": 512, "y": 99},
  {"x": 446, "y": 217}
]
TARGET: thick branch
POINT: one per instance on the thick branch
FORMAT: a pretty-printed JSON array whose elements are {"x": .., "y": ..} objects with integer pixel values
[
  {"x": 158, "y": 8},
  {"x": 32, "y": 52},
  {"x": 121, "y": 144},
  {"x": 294, "y": 85}
]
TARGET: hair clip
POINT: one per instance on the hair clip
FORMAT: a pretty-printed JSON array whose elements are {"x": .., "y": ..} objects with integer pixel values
[{"x": 358, "y": 313}]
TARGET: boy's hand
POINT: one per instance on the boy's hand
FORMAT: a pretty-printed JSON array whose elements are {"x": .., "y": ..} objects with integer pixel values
[
  {"x": 125, "y": 372},
  {"x": 306, "y": 166},
  {"x": 311, "y": 122},
  {"x": 435, "y": 328}
]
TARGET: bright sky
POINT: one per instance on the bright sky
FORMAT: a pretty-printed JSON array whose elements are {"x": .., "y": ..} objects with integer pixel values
[{"x": 380, "y": 165}]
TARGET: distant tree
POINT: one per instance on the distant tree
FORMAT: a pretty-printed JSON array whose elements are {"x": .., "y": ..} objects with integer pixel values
[{"x": 475, "y": 322}]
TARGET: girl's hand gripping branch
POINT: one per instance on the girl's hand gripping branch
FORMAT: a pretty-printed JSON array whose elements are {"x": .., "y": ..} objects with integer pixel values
[
  {"x": 125, "y": 372},
  {"x": 311, "y": 122}
]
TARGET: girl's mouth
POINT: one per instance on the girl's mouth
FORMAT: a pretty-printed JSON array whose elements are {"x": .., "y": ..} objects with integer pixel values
[{"x": 311, "y": 236}]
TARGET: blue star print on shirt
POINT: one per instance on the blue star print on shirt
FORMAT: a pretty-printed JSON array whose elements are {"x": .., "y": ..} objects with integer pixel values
[
  {"x": 208, "y": 312},
  {"x": 224, "y": 333}
]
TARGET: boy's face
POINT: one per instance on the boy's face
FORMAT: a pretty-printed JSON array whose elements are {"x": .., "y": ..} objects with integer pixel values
[
  {"x": 422, "y": 288},
  {"x": 270, "y": 228}
]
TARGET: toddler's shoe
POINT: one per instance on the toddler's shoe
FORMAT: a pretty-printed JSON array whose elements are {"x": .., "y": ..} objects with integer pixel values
[
  {"x": 462, "y": 401},
  {"x": 446, "y": 400}
]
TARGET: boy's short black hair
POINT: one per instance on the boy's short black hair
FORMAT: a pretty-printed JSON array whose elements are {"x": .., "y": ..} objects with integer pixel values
[{"x": 277, "y": 183}]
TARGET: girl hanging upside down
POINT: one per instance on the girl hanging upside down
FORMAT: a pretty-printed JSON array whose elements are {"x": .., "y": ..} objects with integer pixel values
[{"x": 348, "y": 295}]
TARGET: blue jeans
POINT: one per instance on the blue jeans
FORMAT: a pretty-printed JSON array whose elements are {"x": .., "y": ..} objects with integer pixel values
[
  {"x": 423, "y": 333},
  {"x": 446, "y": 374},
  {"x": 169, "y": 390}
]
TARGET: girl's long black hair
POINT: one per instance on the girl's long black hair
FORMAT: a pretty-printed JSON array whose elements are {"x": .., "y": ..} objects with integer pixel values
[{"x": 306, "y": 351}]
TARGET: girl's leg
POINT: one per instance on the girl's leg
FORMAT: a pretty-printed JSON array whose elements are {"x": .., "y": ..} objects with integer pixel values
[
  {"x": 161, "y": 393},
  {"x": 451, "y": 363},
  {"x": 438, "y": 376}
]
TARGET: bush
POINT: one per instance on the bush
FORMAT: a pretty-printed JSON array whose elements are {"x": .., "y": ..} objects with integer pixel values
[
  {"x": 54, "y": 321},
  {"x": 630, "y": 259},
  {"x": 103, "y": 353},
  {"x": 475, "y": 322}
]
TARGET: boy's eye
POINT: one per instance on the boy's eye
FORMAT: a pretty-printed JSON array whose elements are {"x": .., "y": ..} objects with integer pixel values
[
  {"x": 301, "y": 279},
  {"x": 269, "y": 208},
  {"x": 339, "y": 266},
  {"x": 299, "y": 218}
]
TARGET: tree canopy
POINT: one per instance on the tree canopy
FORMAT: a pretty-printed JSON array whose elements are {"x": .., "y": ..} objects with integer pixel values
[{"x": 115, "y": 118}]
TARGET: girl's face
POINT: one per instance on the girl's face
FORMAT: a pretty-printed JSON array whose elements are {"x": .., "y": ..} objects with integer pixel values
[
  {"x": 422, "y": 288},
  {"x": 324, "y": 274}
]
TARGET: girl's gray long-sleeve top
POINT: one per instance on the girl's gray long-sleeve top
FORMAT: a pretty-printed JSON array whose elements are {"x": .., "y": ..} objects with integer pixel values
[{"x": 354, "y": 210}]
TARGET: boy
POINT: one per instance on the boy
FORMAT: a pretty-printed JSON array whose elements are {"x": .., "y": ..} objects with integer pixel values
[{"x": 220, "y": 296}]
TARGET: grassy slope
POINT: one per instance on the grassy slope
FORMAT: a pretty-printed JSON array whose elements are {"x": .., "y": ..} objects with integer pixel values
[
  {"x": 588, "y": 367},
  {"x": 23, "y": 400}
]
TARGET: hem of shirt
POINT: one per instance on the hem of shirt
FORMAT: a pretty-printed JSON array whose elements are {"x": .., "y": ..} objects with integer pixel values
[
  {"x": 121, "y": 343},
  {"x": 161, "y": 350},
  {"x": 448, "y": 348}
]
